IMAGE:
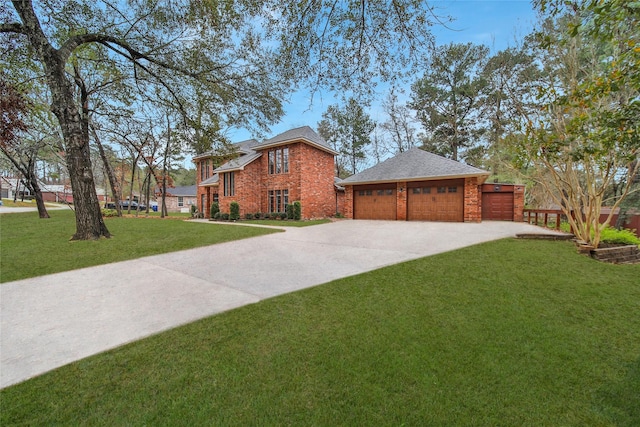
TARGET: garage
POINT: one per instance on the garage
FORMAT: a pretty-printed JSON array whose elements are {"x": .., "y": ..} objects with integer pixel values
[
  {"x": 499, "y": 201},
  {"x": 415, "y": 185},
  {"x": 436, "y": 201},
  {"x": 374, "y": 201}
]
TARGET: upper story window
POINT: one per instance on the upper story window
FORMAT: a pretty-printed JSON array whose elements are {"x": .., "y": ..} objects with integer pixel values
[
  {"x": 205, "y": 169},
  {"x": 278, "y": 161},
  {"x": 229, "y": 184}
]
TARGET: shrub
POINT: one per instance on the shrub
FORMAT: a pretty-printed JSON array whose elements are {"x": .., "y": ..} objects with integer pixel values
[
  {"x": 620, "y": 237},
  {"x": 215, "y": 208},
  {"x": 290, "y": 212},
  {"x": 109, "y": 212},
  {"x": 234, "y": 209},
  {"x": 248, "y": 216},
  {"x": 217, "y": 215},
  {"x": 194, "y": 209},
  {"x": 274, "y": 215},
  {"x": 224, "y": 216},
  {"x": 282, "y": 215},
  {"x": 297, "y": 211},
  {"x": 258, "y": 215}
]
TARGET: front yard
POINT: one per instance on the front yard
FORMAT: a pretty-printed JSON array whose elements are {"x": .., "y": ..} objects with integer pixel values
[
  {"x": 512, "y": 332},
  {"x": 30, "y": 246}
]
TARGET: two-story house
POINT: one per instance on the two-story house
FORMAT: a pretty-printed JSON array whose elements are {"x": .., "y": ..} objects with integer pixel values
[{"x": 297, "y": 165}]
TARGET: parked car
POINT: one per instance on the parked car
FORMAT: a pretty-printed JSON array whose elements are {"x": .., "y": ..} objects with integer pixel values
[{"x": 124, "y": 205}]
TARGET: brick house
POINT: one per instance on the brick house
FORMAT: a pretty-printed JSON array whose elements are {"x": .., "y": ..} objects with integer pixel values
[
  {"x": 416, "y": 186},
  {"x": 297, "y": 165},
  {"x": 178, "y": 199}
]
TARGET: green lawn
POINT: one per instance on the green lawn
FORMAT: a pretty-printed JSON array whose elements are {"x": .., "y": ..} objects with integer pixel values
[
  {"x": 33, "y": 247},
  {"x": 508, "y": 333}
]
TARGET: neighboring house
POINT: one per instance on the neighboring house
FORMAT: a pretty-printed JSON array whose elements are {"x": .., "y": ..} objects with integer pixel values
[
  {"x": 416, "y": 185},
  {"x": 297, "y": 165},
  {"x": 179, "y": 199}
]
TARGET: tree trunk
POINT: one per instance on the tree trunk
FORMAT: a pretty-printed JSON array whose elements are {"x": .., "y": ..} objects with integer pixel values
[
  {"x": 37, "y": 193},
  {"x": 113, "y": 181},
  {"x": 89, "y": 222}
]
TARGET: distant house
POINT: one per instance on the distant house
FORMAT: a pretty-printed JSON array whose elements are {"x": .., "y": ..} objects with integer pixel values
[
  {"x": 179, "y": 199},
  {"x": 297, "y": 165}
]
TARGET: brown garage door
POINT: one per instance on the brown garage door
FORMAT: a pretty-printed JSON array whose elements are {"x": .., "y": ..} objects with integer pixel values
[
  {"x": 374, "y": 202},
  {"x": 436, "y": 201},
  {"x": 497, "y": 206}
]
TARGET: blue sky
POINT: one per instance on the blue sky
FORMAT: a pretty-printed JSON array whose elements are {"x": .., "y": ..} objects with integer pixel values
[{"x": 495, "y": 23}]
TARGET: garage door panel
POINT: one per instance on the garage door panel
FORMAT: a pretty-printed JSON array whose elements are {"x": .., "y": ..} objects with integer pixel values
[
  {"x": 497, "y": 206},
  {"x": 375, "y": 203},
  {"x": 440, "y": 201}
]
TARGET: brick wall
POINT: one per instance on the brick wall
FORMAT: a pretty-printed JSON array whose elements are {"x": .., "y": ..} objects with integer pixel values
[
  {"x": 348, "y": 202},
  {"x": 472, "y": 200},
  {"x": 317, "y": 191},
  {"x": 401, "y": 201},
  {"x": 518, "y": 203}
]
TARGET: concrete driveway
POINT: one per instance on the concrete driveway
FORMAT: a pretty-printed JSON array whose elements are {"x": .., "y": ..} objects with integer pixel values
[{"x": 50, "y": 321}]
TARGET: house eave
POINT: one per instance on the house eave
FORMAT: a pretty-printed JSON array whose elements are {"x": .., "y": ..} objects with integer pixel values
[
  {"x": 293, "y": 141},
  {"x": 482, "y": 178}
]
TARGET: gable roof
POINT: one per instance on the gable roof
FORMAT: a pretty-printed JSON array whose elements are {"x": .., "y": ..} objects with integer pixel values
[
  {"x": 414, "y": 165},
  {"x": 305, "y": 133}
]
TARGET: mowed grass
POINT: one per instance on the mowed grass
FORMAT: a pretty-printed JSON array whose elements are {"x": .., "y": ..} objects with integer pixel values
[
  {"x": 507, "y": 333},
  {"x": 30, "y": 246}
]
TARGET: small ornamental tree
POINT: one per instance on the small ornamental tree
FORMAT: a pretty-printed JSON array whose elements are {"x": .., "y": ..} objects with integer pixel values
[
  {"x": 234, "y": 211},
  {"x": 290, "y": 214}
]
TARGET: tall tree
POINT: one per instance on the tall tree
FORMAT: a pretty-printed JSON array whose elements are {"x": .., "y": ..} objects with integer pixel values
[
  {"x": 399, "y": 125},
  {"x": 20, "y": 148},
  {"x": 349, "y": 130},
  {"x": 586, "y": 134},
  {"x": 212, "y": 49},
  {"x": 447, "y": 98}
]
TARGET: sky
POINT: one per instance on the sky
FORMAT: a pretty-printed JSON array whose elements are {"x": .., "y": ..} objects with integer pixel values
[{"x": 496, "y": 23}]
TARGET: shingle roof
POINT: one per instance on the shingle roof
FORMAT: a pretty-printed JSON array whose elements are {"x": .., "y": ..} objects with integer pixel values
[
  {"x": 414, "y": 165},
  {"x": 188, "y": 190},
  {"x": 244, "y": 147},
  {"x": 238, "y": 163},
  {"x": 304, "y": 132},
  {"x": 213, "y": 180}
]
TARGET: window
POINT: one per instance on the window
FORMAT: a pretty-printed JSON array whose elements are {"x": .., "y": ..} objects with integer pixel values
[
  {"x": 416, "y": 191},
  {"x": 389, "y": 192},
  {"x": 216, "y": 198},
  {"x": 442, "y": 190},
  {"x": 202, "y": 170},
  {"x": 369, "y": 192},
  {"x": 361, "y": 193},
  {"x": 278, "y": 200},
  {"x": 426, "y": 190},
  {"x": 229, "y": 184},
  {"x": 278, "y": 161},
  {"x": 180, "y": 201},
  {"x": 453, "y": 189},
  {"x": 272, "y": 162},
  {"x": 380, "y": 192},
  {"x": 285, "y": 160},
  {"x": 202, "y": 208}
]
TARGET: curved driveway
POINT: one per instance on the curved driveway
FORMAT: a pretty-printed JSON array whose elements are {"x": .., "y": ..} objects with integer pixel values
[{"x": 49, "y": 321}]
